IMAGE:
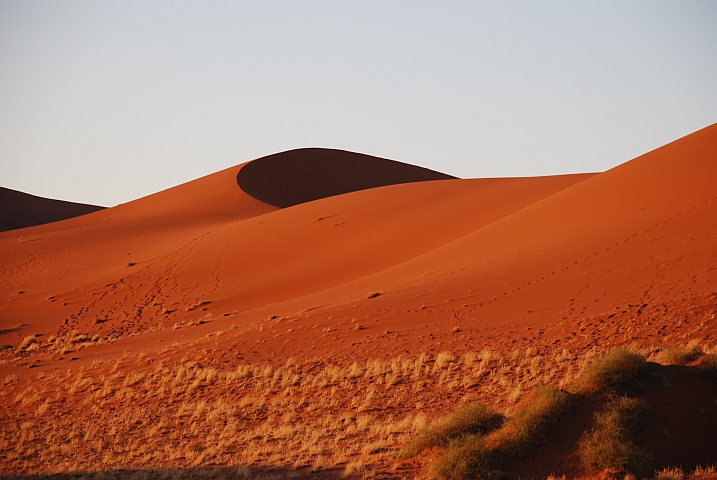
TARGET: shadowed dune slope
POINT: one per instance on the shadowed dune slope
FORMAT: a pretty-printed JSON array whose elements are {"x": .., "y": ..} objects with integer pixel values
[
  {"x": 20, "y": 210},
  {"x": 479, "y": 253},
  {"x": 84, "y": 250},
  {"x": 220, "y": 315},
  {"x": 209, "y": 238},
  {"x": 307, "y": 174}
]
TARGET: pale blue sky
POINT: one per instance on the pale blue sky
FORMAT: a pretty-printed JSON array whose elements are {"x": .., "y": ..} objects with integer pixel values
[{"x": 105, "y": 102}]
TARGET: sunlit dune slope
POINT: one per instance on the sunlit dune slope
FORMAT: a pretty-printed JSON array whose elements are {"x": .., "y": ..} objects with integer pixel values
[
  {"x": 20, "y": 210},
  {"x": 209, "y": 241},
  {"x": 78, "y": 252},
  {"x": 642, "y": 232},
  {"x": 613, "y": 259},
  {"x": 489, "y": 256}
]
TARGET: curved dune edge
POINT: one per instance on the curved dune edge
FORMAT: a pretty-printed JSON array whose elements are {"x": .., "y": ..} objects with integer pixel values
[
  {"x": 22, "y": 210},
  {"x": 303, "y": 175},
  {"x": 202, "y": 327}
]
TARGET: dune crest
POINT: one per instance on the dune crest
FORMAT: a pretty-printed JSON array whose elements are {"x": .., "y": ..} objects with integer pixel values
[
  {"x": 21, "y": 210},
  {"x": 303, "y": 175},
  {"x": 339, "y": 327}
]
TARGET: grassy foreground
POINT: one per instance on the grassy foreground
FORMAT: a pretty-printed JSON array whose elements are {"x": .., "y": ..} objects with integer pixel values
[
  {"x": 471, "y": 447},
  {"x": 148, "y": 416}
]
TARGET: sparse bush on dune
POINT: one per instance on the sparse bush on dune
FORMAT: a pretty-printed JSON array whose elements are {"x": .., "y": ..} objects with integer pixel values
[
  {"x": 443, "y": 359},
  {"x": 463, "y": 459},
  {"x": 708, "y": 366},
  {"x": 472, "y": 453},
  {"x": 28, "y": 342},
  {"x": 527, "y": 427},
  {"x": 611, "y": 444},
  {"x": 678, "y": 355},
  {"x": 309, "y": 414},
  {"x": 470, "y": 420},
  {"x": 615, "y": 372},
  {"x": 354, "y": 468}
]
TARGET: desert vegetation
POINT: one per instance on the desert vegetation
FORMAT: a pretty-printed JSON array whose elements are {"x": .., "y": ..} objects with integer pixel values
[
  {"x": 478, "y": 453},
  {"x": 611, "y": 443},
  {"x": 374, "y": 418},
  {"x": 475, "y": 442}
]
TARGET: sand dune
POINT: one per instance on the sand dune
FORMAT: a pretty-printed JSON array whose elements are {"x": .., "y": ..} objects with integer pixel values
[
  {"x": 642, "y": 232},
  {"x": 303, "y": 175},
  {"x": 209, "y": 236},
  {"x": 519, "y": 250},
  {"x": 21, "y": 210},
  {"x": 325, "y": 254}
]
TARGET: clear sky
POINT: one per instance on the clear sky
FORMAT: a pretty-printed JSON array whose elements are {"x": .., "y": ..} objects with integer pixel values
[{"x": 105, "y": 102}]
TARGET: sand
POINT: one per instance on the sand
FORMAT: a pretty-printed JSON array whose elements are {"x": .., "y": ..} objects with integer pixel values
[{"x": 363, "y": 258}]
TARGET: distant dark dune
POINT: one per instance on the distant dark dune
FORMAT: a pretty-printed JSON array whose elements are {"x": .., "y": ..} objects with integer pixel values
[
  {"x": 307, "y": 174},
  {"x": 20, "y": 210}
]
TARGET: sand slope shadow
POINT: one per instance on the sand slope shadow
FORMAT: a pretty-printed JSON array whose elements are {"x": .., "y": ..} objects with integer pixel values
[
  {"x": 20, "y": 210},
  {"x": 211, "y": 472},
  {"x": 303, "y": 175},
  {"x": 681, "y": 431}
]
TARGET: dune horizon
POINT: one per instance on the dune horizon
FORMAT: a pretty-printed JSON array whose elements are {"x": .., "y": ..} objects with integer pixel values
[
  {"x": 21, "y": 210},
  {"x": 316, "y": 259}
]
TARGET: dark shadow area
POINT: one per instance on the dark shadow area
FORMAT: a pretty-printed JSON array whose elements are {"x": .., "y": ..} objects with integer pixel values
[
  {"x": 20, "y": 210},
  {"x": 681, "y": 432},
  {"x": 208, "y": 472},
  {"x": 307, "y": 174}
]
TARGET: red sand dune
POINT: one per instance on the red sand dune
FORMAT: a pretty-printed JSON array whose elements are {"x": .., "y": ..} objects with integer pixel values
[
  {"x": 482, "y": 253},
  {"x": 421, "y": 261},
  {"x": 209, "y": 241},
  {"x": 20, "y": 210}
]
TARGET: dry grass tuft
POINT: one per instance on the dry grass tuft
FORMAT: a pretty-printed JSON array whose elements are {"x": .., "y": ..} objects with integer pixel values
[
  {"x": 708, "y": 366},
  {"x": 708, "y": 470},
  {"x": 145, "y": 411},
  {"x": 678, "y": 355},
  {"x": 470, "y": 420},
  {"x": 27, "y": 342},
  {"x": 354, "y": 468},
  {"x": 524, "y": 430},
  {"x": 617, "y": 371},
  {"x": 611, "y": 443},
  {"x": 472, "y": 453},
  {"x": 197, "y": 305},
  {"x": 671, "y": 473},
  {"x": 463, "y": 459}
]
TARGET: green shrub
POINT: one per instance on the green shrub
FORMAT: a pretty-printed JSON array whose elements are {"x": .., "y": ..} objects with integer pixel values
[
  {"x": 470, "y": 420},
  {"x": 617, "y": 372},
  {"x": 611, "y": 443}
]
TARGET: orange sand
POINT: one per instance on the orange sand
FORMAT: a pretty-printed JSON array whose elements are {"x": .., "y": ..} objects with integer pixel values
[{"x": 576, "y": 261}]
